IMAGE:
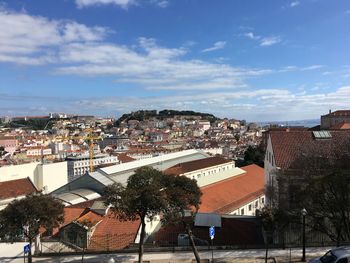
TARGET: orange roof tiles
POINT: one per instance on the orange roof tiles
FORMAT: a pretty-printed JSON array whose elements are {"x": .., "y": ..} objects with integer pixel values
[
  {"x": 113, "y": 233},
  {"x": 124, "y": 158},
  {"x": 341, "y": 126},
  {"x": 15, "y": 188},
  {"x": 289, "y": 145},
  {"x": 228, "y": 195},
  {"x": 110, "y": 233},
  {"x": 187, "y": 167}
]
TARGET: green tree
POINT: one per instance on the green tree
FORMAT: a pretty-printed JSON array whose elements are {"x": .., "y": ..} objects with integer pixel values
[
  {"x": 253, "y": 155},
  {"x": 24, "y": 217},
  {"x": 142, "y": 197},
  {"x": 182, "y": 195},
  {"x": 319, "y": 181}
]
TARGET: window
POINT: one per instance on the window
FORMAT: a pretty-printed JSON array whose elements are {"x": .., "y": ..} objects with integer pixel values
[
  {"x": 242, "y": 211},
  {"x": 256, "y": 204},
  {"x": 250, "y": 207},
  {"x": 262, "y": 200}
]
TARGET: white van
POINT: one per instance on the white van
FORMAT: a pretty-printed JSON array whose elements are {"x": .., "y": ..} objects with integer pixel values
[{"x": 337, "y": 255}]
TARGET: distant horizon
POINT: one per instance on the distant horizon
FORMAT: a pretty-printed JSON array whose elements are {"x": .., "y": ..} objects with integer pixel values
[{"x": 117, "y": 117}]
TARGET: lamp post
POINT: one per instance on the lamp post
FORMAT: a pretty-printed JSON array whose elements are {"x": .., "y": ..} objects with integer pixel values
[{"x": 303, "y": 213}]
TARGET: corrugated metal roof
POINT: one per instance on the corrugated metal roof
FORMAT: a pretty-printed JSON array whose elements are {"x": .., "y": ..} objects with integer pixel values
[
  {"x": 86, "y": 193},
  {"x": 77, "y": 196},
  {"x": 151, "y": 161},
  {"x": 103, "y": 179},
  {"x": 71, "y": 198}
]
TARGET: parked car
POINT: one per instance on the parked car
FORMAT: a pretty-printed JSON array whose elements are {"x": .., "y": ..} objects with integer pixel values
[{"x": 337, "y": 255}]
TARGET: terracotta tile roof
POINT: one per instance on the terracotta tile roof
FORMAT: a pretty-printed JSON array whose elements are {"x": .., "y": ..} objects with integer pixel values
[
  {"x": 228, "y": 195},
  {"x": 112, "y": 233},
  {"x": 187, "y": 167},
  {"x": 288, "y": 146},
  {"x": 70, "y": 215},
  {"x": 15, "y": 188},
  {"x": 234, "y": 231},
  {"x": 89, "y": 219},
  {"x": 341, "y": 126},
  {"x": 124, "y": 158}
]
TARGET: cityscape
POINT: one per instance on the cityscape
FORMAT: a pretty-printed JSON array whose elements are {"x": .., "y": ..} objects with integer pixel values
[{"x": 174, "y": 131}]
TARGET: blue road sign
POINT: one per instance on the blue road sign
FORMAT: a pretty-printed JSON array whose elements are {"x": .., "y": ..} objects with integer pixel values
[
  {"x": 212, "y": 232},
  {"x": 26, "y": 248}
]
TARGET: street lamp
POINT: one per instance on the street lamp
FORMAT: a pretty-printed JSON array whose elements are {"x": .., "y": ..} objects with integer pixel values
[{"x": 303, "y": 213}]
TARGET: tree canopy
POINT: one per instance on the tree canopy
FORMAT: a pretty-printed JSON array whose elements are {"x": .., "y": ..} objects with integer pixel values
[
  {"x": 253, "y": 155},
  {"x": 318, "y": 181},
  {"x": 149, "y": 193},
  {"x": 142, "y": 197},
  {"x": 24, "y": 217}
]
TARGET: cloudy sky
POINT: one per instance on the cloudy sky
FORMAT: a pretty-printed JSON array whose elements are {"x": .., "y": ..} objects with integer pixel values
[{"x": 247, "y": 59}]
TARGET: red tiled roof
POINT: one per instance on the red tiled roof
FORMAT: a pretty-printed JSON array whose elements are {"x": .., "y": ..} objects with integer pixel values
[
  {"x": 112, "y": 233},
  {"x": 288, "y": 146},
  {"x": 124, "y": 158},
  {"x": 15, "y": 188},
  {"x": 90, "y": 218},
  {"x": 187, "y": 167},
  {"x": 341, "y": 126},
  {"x": 227, "y": 195}
]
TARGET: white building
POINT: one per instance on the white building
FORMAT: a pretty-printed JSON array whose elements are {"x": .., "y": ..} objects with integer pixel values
[
  {"x": 38, "y": 151},
  {"x": 46, "y": 177},
  {"x": 79, "y": 165}
]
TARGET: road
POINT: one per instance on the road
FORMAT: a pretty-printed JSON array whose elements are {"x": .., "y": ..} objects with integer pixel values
[{"x": 175, "y": 257}]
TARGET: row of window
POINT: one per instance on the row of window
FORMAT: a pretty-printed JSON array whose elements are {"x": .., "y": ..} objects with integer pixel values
[
  {"x": 250, "y": 206},
  {"x": 213, "y": 171}
]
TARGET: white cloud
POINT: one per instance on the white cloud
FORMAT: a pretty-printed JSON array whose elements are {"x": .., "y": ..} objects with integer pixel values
[
  {"x": 269, "y": 41},
  {"x": 26, "y": 39},
  {"x": 216, "y": 46},
  {"x": 296, "y": 68},
  {"x": 122, "y": 3},
  {"x": 294, "y": 3},
  {"x": 263, "y": 41},
  {"x": 312, "y": 67},
  {"x": 252, "y": 36},
  {"x": 257, "y": 105},
  {"x": 160, "y": 3}
]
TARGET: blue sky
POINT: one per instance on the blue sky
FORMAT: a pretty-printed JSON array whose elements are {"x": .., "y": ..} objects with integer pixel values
[{"x": 255, "y": 60}]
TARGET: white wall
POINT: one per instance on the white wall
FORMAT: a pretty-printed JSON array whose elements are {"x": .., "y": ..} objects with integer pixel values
[
  {"x": 214, "y": 174},
  {"x": 14, "y": 172},
  {"x": 151, "y": 227},
  {"x": 8, "y": 250},
  {"x": 51, "y": 175},
  {"x": 257, "y": 203},
  {"x": 54, "y": 175},
  {"x": 269, "y": 162}
]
